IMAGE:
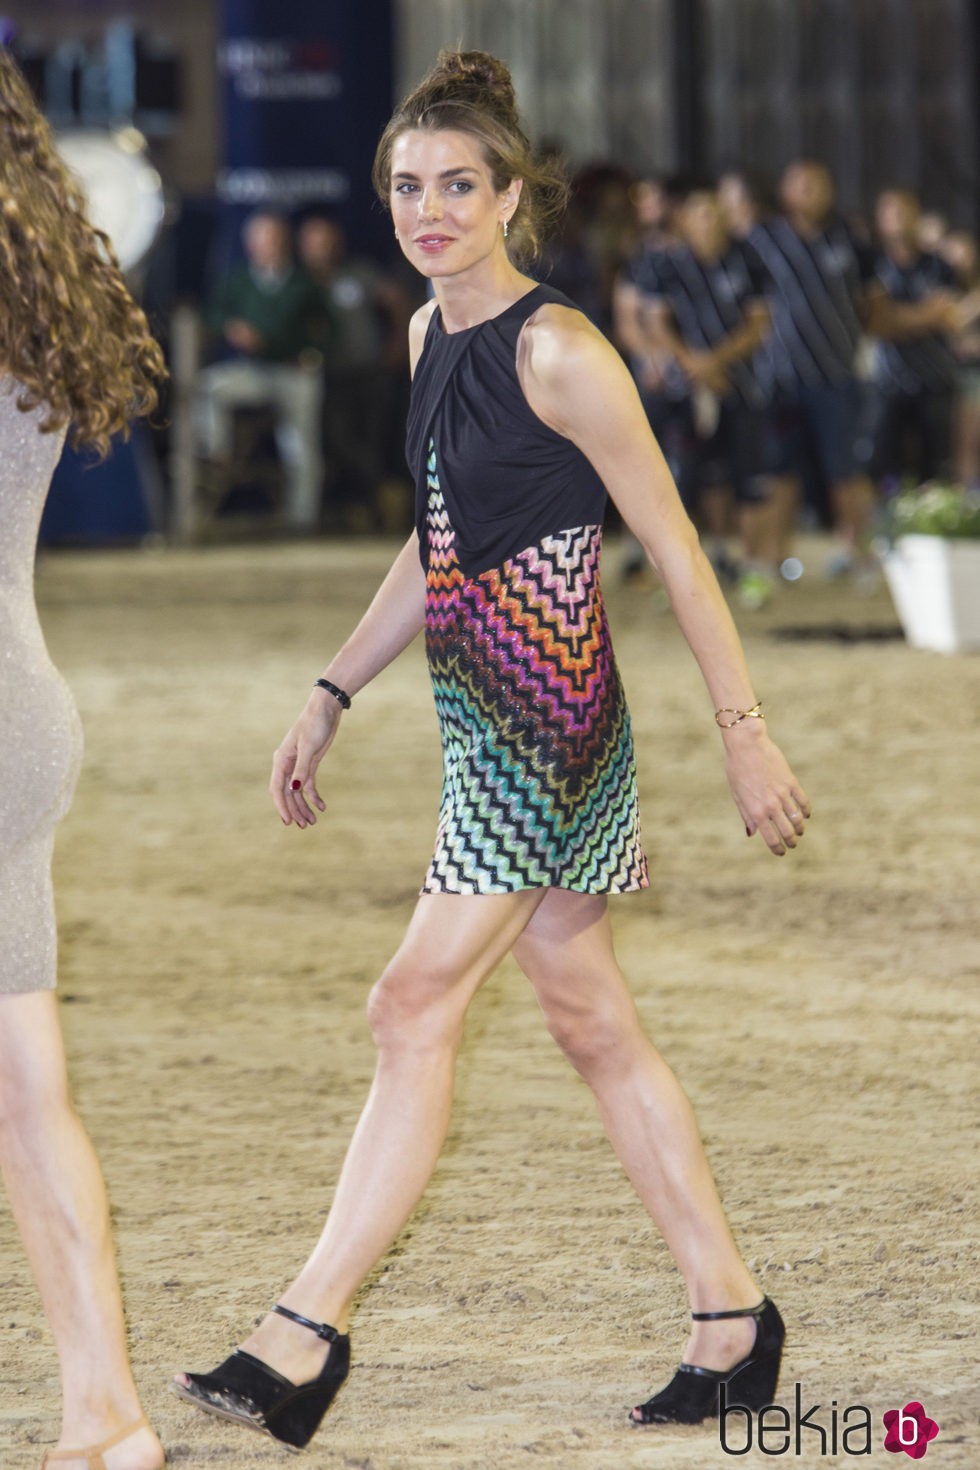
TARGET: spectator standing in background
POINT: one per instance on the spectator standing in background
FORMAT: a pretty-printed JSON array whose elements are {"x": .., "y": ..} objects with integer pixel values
[
  {"x": 819, "y": 293},
  {"x": 368, "y": 317},
  {"x": 653, "y": 207},
  {"x": 745, "y": 200},
  {"x": 705, "y": 306},
  {"x": 654, "y": 233},
  {"x": 961, "y": 251},
  {"x": 603, "y": 192},
  {"x": 916, "y": 373},
  {"x": 266, "y": 313}
]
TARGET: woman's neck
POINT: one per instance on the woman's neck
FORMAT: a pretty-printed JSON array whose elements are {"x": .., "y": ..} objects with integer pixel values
[{"x": 480, "y": 293}]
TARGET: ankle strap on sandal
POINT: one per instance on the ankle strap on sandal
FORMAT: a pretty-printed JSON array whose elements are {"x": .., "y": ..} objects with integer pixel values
[
  {"x": 96, "y": 1451},
  {"x": 736, "y": 1312},
  {"x": 322, "y": 1329}
]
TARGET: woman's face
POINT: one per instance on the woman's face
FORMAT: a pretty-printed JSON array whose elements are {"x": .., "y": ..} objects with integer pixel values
[{"x": 447, "y": 214}]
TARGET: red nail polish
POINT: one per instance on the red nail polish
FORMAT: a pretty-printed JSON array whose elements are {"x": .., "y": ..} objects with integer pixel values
[
  {"x": 295, "y": 785},
  {"x": 748, "y": 831}
]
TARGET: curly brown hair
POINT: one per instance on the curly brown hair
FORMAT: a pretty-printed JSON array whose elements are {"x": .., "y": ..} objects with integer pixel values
[
  {"x": 70, "y": 333},
  {"x": 472, "y": 92}
]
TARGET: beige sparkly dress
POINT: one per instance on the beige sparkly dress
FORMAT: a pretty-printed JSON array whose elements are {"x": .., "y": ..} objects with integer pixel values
[{"x": 40, "y": 734}]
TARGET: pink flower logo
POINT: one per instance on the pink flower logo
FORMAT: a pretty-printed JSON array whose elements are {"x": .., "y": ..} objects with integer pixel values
[{"x": 909, "y": 1429}]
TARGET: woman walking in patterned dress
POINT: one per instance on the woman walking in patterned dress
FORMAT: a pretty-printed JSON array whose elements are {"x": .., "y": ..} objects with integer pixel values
[
  {"x": 522, "y": 418},
  {"x": 74, "y": 348}
]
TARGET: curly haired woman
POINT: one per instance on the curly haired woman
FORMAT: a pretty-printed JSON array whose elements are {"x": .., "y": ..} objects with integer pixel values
[{"x": 74, "y": 350}]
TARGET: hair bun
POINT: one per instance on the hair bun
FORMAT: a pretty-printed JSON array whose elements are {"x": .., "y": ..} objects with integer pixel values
[
  {"x": 480, "y": 70},
  {"x": 472, "y": 93}
]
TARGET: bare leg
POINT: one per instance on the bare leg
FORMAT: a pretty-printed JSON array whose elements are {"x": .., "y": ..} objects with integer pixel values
[
  {"x": 567, "y": 953},
  {"x": 785, "y": 492},
  {"x": 416, "y": 1012},
  {"x": 58, "y": 1199},
  {"x": 854, "y": 504},
  {"x": 760, "y": 532},
  {"x": 966, "y": 428},
  {"x": 715, "y": 512},
  {"x": 298, "y": 394}
]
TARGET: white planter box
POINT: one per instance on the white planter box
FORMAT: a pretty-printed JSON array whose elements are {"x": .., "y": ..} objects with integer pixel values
[{"x": 935, "y": 585}]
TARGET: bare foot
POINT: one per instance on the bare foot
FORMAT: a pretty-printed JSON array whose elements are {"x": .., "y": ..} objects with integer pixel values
[{"x": 140, "y": 1450}]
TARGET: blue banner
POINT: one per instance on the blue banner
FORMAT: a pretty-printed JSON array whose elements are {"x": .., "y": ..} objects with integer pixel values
[{"x": 306, "y": 88}]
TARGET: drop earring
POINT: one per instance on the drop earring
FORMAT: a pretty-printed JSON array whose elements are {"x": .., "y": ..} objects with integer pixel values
[{"x": 506, "y": 229}]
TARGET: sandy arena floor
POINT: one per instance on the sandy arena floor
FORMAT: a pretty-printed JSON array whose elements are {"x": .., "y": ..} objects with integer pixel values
[{"x": 214, "y": 972}]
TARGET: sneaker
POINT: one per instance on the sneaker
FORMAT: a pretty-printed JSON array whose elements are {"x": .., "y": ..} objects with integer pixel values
[
  {"x": 753, "y": 590},
  {"x": 725, "y": 568},
  {"x": 838, "y": 565},
  {"x": 866, "y": 576}
]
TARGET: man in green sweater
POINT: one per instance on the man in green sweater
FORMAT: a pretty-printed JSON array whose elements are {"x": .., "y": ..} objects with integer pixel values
[{"x": 268, "y": 313}]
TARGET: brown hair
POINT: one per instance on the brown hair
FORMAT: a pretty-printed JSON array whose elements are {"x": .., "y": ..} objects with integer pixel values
[
  {"x": 472, "y": 92},
  {"x": 70, "y": 333}
]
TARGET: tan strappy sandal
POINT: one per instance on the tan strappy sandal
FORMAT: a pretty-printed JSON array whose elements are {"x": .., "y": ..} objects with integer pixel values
[{"x": 94, "y": 1454}]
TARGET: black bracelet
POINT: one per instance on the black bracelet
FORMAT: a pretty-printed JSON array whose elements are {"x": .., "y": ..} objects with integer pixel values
[{"x": 342, "y": 699}]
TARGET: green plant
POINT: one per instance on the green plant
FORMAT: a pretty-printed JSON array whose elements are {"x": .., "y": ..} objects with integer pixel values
[{"x": 935, "y": 510}]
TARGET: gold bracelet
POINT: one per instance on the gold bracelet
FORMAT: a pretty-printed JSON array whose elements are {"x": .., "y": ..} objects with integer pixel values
[{"x": 755, "y": 713}]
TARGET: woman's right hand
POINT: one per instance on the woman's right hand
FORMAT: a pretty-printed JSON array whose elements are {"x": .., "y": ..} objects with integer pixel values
[{"x": 294, "y": 765}]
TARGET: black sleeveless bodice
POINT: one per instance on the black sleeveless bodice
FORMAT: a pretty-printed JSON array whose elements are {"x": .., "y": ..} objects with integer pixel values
[{"x": 507, "y": 479}]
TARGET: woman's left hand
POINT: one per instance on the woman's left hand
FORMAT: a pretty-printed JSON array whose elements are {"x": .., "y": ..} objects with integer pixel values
[{"x": 770, "y": 799}]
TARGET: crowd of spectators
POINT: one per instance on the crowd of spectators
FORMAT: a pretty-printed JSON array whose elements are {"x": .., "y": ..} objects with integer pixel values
[
  {"x": 321, "y": 337},
  {"x": 793, "y": 361}
]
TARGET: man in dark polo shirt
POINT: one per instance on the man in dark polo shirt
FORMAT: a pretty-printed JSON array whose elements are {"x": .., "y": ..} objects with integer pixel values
[
  {"x": 704, "y": 305},
  {"x": 822, "y": 296},
  {"x": 266, "y": 313},
  {"x": 916, "y": 371}
]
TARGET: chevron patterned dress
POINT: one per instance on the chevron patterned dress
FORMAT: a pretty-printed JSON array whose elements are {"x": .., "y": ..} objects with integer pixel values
[{"x": 539, "y": 785}]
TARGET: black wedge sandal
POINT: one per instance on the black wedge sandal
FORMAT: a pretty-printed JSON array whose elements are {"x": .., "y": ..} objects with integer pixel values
[
  {"x": 249, "y": 1392},
  {"x": 692, "y": 1394}
]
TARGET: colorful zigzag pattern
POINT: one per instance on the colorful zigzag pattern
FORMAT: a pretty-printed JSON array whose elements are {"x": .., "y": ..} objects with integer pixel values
[{"x": 539, "y": 783}]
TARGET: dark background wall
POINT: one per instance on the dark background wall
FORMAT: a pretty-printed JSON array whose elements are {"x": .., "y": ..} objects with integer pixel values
[
  {"x": 885, "y": 91},
  {"x": 882, "y": 90}
]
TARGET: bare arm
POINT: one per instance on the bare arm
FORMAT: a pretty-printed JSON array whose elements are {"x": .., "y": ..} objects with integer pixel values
[
  {"x": 396, "y": 615},
  {"x": 747, "y": 338},
  {"x": 967, "y": 310},
  {"x": 902, "y": 321},
  {"x": 394, "y": 618},
  {"x": 627, "y": 330},
  {"x": 699, "y": 368},
  {"x": 392, "y": 621},
  {"x": 708, "y": 367},
  {"x": 630, "y": 335},
  {"x": 578, "y": 385}
]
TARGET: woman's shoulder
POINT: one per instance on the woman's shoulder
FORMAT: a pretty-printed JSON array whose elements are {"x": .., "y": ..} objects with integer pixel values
[
  {"x": 558, "y": 335},
  {"x": 417, "y": 328}
]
